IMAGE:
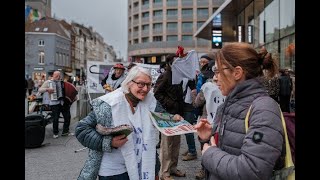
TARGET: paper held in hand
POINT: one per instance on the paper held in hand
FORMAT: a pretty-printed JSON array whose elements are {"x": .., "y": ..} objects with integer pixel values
[
  {"x": 169, "y": 127},
  {"x": 115, "y": 131}
]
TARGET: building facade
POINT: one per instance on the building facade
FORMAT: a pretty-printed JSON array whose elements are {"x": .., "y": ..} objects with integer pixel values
[
  {"x": 157, "y": 27},
  {"x": 47, "y": 48},
  {"x": 269, "y": 23}
]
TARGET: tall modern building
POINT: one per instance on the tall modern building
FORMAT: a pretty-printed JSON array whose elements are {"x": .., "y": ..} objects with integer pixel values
[
  {"x": 157, "y": 27},
  {"x": 269, "y": 23}
]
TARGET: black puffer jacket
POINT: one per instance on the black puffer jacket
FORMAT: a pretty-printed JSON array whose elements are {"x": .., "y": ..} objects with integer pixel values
[
  {"x": 170, "y": 96},
  {"x": 237, "y": 155}
]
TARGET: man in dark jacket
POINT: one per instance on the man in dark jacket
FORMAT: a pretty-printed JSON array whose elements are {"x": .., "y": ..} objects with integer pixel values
[
  {"x": 285, "y": 90},
  {"x": 171, "y": 99}
]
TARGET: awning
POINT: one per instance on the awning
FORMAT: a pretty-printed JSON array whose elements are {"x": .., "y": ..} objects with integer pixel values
[{"x": 205, "y": 30}]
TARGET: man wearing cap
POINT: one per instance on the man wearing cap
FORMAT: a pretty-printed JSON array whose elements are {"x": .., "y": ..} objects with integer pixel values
[{"x": 113, "y": 79}]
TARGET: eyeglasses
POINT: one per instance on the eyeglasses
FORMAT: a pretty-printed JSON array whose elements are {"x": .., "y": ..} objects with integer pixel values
[
  {"x": 142, "y": 84},
  {"x": 216, "y": 71}
]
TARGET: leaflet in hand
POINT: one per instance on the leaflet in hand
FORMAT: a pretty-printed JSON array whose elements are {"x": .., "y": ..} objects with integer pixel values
[
  {"x": 114, "y": 131},
  {"x": 169, "y": 127}
]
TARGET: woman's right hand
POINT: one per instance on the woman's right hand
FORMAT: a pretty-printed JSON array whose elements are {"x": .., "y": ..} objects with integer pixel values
[
  {"x": 119, "y": 141},
  {"x": 204, "y": 129}
]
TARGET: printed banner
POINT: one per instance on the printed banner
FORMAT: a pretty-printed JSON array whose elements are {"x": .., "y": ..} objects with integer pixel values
[
  {"x": 96, "y": 71},
  {"x": 153, "y": 70}
]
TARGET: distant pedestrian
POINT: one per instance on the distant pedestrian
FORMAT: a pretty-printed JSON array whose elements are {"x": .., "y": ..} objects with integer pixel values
[
  {"x": 271, "y": 83},
  {"x": 285, "y": 90},
  {"x": 25, "y": 87},
  {"x": 30, "y": 85},
  {"x": 114, "y": 78}
]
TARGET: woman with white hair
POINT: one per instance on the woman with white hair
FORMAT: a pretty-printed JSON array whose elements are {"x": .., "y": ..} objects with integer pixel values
[{"x": 122, "y": 157}]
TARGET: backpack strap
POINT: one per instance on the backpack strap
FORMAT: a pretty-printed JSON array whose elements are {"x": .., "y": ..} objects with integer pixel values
[
  {"x": 288, "y": 158},
  {"x": 246, "y": 121}
]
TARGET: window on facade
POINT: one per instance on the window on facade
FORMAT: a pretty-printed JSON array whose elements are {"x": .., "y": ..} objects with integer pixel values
[
  {"x": 145, "y": 39},
  {"x": 145, "y": 2},
  {"x": 157, "y": 13},
  {"x": 287, "y": 17},
  {"x": 145, "y": 14},
  {"x": 157, "y": 26},
  {"x": 187, "y": 25},
  {"x": 172, "y": 38},
  {"x": 202, "y": 12},
  {"x": 187, "y": 12},
  {"x": 135, "y": 4},
  {"x": 157, "y": 1},
  {"x": 135, "y": 41},
  {"x": 41, "y": 57},
  {"x": 157, "y": 38},
  {"x": 136, "y": 17},
  {"x": 272, "y": 21},
  {"x": 186, "y": 38},
  {"x": 145, "y": 27},
  {"x": 171, "y": 25},
  {"x": 172, "y": 12},
  {"x": 135, "y": 29},
  {"x": 41, "y": 42}
]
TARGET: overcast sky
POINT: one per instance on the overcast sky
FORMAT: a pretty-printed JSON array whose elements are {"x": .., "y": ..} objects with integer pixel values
[{"x": 107, "y": 17}]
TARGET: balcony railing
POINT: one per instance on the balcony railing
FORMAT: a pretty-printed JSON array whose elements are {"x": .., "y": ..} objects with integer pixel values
[
  {"x": 172, "y": 17},
  {"x": 172, "y": 3},
  {"x": 203, "y": 3},
  {"x": 172, "y": 31},
  {"x": 157, "y": 18},
  {"x": 135, "y": 34},
  {"x": 145, "y": 7},
  {"x": 202, "y": 17},
  {"x": 157, "y": 5},
  {"x": 135, "y": 21},
  {"x": 187, "y": 30},
  {"x": 187, "y": 3},
  {"x": 157, "y": 31},
  {"x": 188, "y": 17},
  {"x": 145, "y": 33},
  {"x": 135, "y": 10},
  {"x": 145, "y": 20}
]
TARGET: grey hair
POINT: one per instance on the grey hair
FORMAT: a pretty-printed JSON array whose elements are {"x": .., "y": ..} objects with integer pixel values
[{"x": 133, "y": 73}]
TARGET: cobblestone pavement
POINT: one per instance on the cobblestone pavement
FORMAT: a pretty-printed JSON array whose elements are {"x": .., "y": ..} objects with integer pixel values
[{"x": 190, "y": 167}]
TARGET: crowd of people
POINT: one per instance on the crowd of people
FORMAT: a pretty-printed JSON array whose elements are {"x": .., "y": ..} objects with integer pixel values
[
  {"x": 214, "y": 96},
  {"x": 215, "y": 100}
]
